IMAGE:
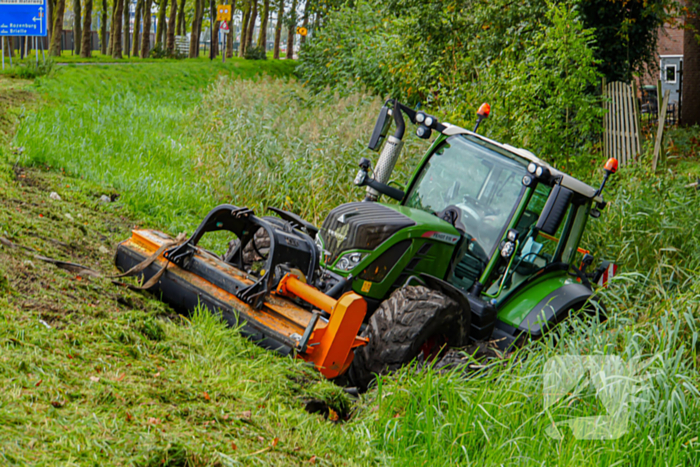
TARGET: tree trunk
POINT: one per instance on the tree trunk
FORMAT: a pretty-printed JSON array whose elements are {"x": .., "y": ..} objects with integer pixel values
[
  {"x": 51, "y": 4},
  {"x": 231, "y": 33},
  {"x": 196, "y": 28},
  {"x": 215, "y": 38},
  {"x": 251, "y": 25},
  {"x": 126, "y": 26},
  {"x": 110, "y": 47},
  {"x": 137, "y": 29},
  {"x": 117, "y": 42},
  {"x": 292, "y": 30},
  {"x": 161, "y": 26},
  {"x": 278, "y": 31},
  {"x": 55, "y": 47},
  {"x": 103, "y": 29},
  {"x": 262, "y": 37},
  {"x": 305, "y": 22},
  {"x": 244, "y": 27},
  {"x": 690, "y": 105},
  {"x": 180, "y": 22},
  {"x": 146, "y": 35},
  {"x": 86, "y": 38},
  {"x": 77, "y": 30},
  {"x": 170, "y": 33}
]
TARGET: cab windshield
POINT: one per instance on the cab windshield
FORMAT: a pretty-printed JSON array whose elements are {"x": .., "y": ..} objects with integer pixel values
[{"x": 482, "y": 180}]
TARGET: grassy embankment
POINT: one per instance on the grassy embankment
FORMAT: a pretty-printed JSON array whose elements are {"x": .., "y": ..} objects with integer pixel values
[
  {"x": 94, "y": 374},
  {"x": 172, "y": 152}
]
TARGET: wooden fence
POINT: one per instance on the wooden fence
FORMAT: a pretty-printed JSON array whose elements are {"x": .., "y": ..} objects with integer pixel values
[{"x": 622, "y": 138}]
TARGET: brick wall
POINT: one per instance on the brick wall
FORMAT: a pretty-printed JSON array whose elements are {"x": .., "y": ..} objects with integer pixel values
[{"x": 670, "y": 40}]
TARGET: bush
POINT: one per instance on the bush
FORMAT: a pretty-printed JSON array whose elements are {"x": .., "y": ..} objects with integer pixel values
[
  {"x": 533, "y": 62},
  {"x": 30, "y": 69},
  {"x": 255, "y": 53},
  {"x": 159, "y": 52}
]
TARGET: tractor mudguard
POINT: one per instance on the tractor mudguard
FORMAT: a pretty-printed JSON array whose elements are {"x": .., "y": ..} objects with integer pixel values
[{"x": 550, "y": 310}]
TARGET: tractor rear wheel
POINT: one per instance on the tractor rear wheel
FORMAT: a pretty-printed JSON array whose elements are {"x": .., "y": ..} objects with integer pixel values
[{"x": 399, "y": 329}]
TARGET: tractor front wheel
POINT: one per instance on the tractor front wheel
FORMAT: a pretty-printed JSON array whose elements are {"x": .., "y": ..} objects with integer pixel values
[{"x": 400, "y": 329}]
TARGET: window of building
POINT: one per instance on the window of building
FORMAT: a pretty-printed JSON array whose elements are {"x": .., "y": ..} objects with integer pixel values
[{"x": 670, "y": 73}]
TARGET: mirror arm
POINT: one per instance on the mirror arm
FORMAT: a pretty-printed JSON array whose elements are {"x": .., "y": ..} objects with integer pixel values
[{"x": 391, "y": 192}]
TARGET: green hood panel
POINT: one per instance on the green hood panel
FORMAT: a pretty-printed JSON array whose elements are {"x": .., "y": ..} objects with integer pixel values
[{"x": 424, "y": 220}]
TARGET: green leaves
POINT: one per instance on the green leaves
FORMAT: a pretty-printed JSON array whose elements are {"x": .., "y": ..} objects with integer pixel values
[{"x": 534, "y": 62}]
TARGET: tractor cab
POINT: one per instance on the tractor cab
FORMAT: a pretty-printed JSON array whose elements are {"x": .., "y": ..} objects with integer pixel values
[
  {"x": 519, "y": 223},
  {"x": 490, "y": 192}
]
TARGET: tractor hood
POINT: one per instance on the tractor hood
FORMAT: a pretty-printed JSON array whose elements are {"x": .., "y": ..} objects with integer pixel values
[
  {"x": 359, "y": 226},
  {"x": 366, "y": 225}
]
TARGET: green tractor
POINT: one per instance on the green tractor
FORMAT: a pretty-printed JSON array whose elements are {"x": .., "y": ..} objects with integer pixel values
[{"x": 482, "y": 245}]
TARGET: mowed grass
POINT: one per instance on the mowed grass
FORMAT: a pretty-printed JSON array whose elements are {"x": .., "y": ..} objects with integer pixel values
[{"x": 200, "y": 139}]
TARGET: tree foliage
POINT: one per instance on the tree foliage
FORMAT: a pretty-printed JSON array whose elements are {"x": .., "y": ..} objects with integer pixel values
[
  {"x": 533, "y": 61},
  {"x": 626, "y": 32}
]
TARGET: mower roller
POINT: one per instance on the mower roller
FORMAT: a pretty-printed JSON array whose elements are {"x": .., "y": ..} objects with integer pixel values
[{"x": 482, "y": 244}]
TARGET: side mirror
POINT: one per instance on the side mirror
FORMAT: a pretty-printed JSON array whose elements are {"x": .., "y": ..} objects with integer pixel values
[
  {"x": 554, "y": 210},
  {"x": 380, "y": 129}
]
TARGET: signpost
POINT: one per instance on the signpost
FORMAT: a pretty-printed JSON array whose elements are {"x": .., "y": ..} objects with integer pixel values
[
  {"x": 223, "y": 14},
  {"x": 224, "y": 30},
  {"x": 22, "y": 18}
]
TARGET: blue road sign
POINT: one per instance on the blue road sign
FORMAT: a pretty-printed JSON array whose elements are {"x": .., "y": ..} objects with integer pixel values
[{"x": 23, "y": 17}]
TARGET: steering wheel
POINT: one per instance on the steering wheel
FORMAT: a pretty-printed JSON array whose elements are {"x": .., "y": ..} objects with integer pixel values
[{"x": 485, "y": 209}]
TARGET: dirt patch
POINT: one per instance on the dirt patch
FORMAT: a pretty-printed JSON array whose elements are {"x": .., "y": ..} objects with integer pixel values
[
  {"x": 14, "y": 95},
  {"x": 75, "y": 228}
]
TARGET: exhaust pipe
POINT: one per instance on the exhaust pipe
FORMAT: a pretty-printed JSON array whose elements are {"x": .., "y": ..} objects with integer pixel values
[{"x": 390, "y": 154}]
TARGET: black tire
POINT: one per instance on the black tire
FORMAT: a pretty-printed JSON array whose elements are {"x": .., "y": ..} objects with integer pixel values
[
  {"x": 253, "y": 250},
  {"x": 398, "y": 329}
]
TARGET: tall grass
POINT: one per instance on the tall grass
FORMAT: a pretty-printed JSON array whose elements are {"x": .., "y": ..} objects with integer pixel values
[{"x": 274, "y": 143}]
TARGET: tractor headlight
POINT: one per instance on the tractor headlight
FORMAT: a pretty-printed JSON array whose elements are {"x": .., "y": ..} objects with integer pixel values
[
  {"x": 507, "y": 249},
  {"x": 420, "y": 117},
  {"x": 423, "y": 132},
  {"x": 349, "y": 261},
  {"x": 542, "y": 172},
  {"x": 508, "y": 246},
  {"x": 512, "y": 235},
  {"x": 429, "y": 121},
  {"x": 532, "y": 167},
  {"x": 527, "y": 180}
]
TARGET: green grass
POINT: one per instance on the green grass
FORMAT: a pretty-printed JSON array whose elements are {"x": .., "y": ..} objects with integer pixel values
[
  {"x": 126, "y": 127},
  {"x": 175, "y": 139},
  {"x": 96, "y": 56}
]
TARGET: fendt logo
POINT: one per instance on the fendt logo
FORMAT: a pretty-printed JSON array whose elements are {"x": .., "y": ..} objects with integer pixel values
[{"x": 615, "y": 381}]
